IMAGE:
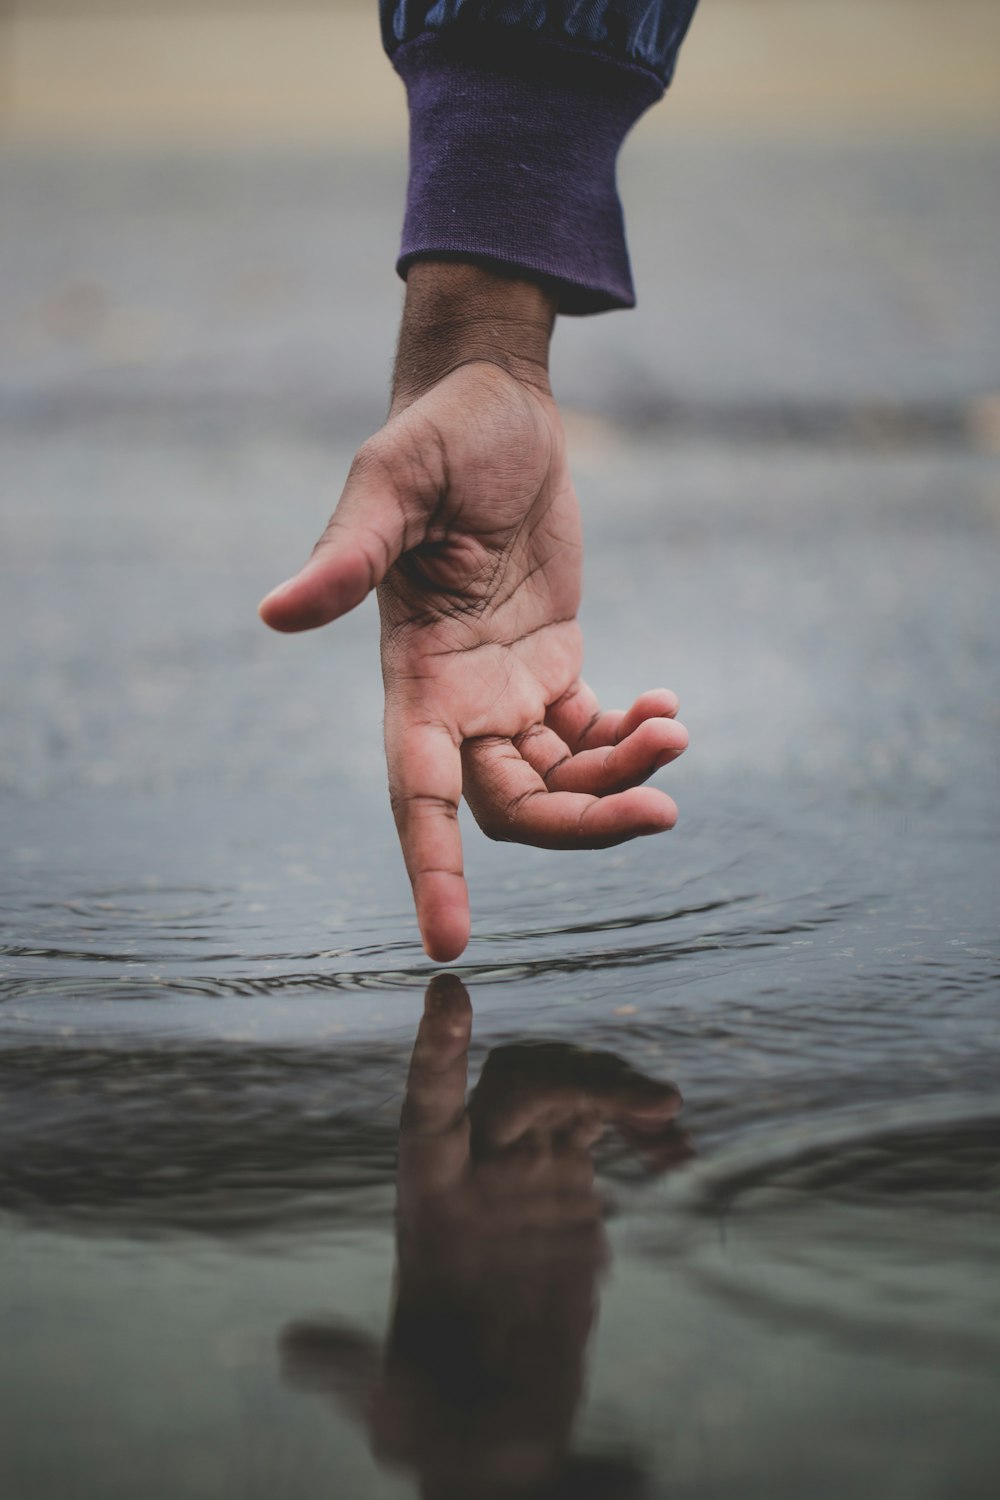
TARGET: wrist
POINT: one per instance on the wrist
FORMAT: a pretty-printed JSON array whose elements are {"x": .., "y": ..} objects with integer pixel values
[{"x": 460, "y": 312}]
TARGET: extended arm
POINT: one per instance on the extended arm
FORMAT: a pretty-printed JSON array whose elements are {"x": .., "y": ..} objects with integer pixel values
[{"x": 461, "y": 511}]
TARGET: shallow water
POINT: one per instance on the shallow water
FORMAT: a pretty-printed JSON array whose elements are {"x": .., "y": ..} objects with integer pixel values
[
  {"x": 792, "y": 1285},
  {"x": 226, "y": 1272}
]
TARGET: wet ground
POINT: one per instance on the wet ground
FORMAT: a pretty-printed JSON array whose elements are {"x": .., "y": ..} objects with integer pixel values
[{"x": 210, "y": 985}]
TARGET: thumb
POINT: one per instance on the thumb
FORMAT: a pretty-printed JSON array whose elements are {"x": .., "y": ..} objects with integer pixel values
[{"x": 365, "y": 535}]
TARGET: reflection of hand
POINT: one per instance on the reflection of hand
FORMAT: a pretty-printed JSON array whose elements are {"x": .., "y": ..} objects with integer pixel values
[
  {"x": 519, "y": 1156},
  {"x": 499, "y": 1246},
  {"x": 462, "y": 512}
]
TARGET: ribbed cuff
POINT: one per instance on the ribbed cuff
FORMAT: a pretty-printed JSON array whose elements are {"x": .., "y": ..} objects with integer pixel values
[{"x": 512, "y": 161}]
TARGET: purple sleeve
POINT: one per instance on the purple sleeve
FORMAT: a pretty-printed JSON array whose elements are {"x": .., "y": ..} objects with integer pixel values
[{"x": 513, "y": 146}]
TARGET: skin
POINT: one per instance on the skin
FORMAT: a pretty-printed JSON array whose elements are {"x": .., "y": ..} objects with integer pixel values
[{"x": 461, "y": 513}]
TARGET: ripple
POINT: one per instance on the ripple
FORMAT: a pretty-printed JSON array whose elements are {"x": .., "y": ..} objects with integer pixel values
[
  {"x": 131, "y": 917},
  {"x": 219, "y": 1140},
  {"x": 568, "y": 960},
  {"x": 149, "y": 904},
  {"x": 882, "y": 1232}
]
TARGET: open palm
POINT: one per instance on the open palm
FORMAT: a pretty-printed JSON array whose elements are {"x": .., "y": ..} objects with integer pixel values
[{"x": 461, "y": 511}]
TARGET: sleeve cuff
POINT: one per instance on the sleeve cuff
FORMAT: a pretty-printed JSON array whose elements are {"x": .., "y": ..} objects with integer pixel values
[{"x": 513, "y": 148}]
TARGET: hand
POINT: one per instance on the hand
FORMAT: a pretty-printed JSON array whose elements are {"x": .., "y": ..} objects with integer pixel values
[{"x": 461, "y": 512}]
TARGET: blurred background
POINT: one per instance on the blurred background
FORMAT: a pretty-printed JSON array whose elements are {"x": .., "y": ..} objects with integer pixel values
[{"x": 306, "y": 71}]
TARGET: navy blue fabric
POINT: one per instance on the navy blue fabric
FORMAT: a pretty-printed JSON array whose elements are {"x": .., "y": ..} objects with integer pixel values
[
  {"x": 518, "y": 109},
  {"x": 645, "y": 32},
  {"x": 512, "y": 162}
]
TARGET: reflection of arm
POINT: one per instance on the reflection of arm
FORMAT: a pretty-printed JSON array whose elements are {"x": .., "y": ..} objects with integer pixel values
[
  {"x": 517, "y": 113},
  {"x": 499, "y": 1250}
]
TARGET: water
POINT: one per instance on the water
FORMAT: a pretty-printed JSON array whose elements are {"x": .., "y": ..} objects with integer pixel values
[
  {"x": 791, "y": 1284},
  {"x": 722, "y": 1213}
]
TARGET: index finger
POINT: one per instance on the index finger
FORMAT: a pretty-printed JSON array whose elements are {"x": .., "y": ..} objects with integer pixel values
[
  {"x": 439, "y": 1064},
  {"x": 425, "y": 784},
  {"x": 434, "y": 1130}
]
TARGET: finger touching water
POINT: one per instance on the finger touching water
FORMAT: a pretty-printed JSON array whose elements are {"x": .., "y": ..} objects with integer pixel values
[
  {"x": 425, "y": 786},
  {"x": 461, "y": 512}
]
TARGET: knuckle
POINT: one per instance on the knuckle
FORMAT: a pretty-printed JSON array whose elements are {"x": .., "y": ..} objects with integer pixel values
[
  {"x": 514, "y": 806},
  {"x": 329, "y": 532},
  {"x": 406, "y": 459},
  {"x": 423, "y": 802},
  {"x": 370, "y": 459},
  {"x": 555, "y": 768}
]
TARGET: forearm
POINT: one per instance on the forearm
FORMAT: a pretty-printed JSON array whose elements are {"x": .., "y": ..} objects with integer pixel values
[{"x": 457, "y": 313}]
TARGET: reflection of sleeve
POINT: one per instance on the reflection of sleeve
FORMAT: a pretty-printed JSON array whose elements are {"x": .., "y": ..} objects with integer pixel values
[{"x": 517, "y": 112}]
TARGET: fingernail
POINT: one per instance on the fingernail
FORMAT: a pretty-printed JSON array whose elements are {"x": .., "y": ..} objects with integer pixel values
[{"x": 276, "y": 593}]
